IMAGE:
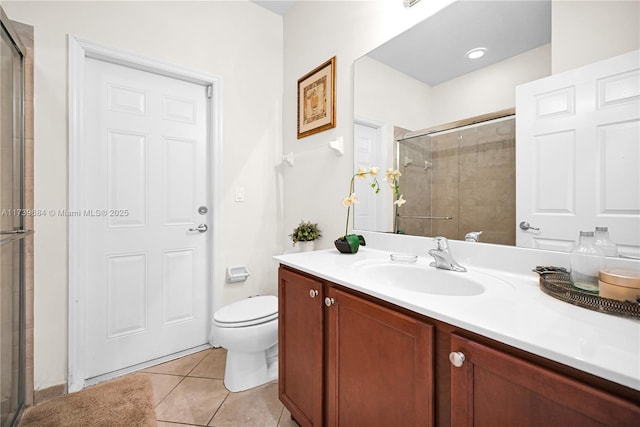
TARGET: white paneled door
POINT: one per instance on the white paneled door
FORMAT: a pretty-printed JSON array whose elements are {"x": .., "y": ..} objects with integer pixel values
[
  {"x": 143, "y": 226},
  {"x": 577, "y": 154},
  {"x": 369, "y": 213}
]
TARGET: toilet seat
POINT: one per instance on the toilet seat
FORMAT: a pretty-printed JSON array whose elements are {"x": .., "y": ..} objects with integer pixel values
[{"x": 247, "y": 312}]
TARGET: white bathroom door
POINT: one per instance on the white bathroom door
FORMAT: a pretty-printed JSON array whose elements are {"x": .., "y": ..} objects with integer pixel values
[
  {"x": 369, "y": 213},
  {"x": 144, "y": 169},
  {"x": 577, "y": 152}
]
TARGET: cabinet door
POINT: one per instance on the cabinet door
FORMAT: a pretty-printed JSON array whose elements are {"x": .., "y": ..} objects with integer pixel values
[
  {"x": 493, "y": 388},
  {"x": 300, "y": 340},
  {"x": 379, "y": 365}
]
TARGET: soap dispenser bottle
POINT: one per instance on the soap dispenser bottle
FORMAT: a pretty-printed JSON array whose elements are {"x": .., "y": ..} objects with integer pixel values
[
  {"x": 603, "y": 242},
  {"x": 586, "y": 262}
]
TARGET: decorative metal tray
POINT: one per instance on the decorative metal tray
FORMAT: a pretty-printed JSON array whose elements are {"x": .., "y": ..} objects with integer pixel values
[{"x": 558, "y": 285}]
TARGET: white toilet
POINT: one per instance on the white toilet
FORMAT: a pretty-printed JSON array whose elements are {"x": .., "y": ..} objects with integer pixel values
[{"x": 248, "y": 329}]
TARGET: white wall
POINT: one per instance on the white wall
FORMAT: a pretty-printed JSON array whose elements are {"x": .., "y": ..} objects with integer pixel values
[
  {"x": 239, "y": 41},
  {"x": 387, "y": 95},
  {"x": 588, "y": 31}
]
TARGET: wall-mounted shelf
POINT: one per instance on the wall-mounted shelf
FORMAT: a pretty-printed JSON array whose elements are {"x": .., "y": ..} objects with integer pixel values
[{"x": 336, "y": 145}]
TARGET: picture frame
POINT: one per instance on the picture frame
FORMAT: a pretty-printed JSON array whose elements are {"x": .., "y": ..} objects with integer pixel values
[{"x": 317, "y": 99}]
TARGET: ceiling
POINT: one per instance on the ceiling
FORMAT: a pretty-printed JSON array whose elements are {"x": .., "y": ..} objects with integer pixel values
[
  {"x": 434, "y": 50},
  {"x": 281, "y": 7}
]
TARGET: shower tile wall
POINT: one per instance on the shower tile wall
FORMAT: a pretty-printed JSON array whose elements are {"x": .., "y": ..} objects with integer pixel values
[
  {"x": 472, "y": 179},
  {"x": 487, "y": 182},
  {"x": 446, "y": 184}
]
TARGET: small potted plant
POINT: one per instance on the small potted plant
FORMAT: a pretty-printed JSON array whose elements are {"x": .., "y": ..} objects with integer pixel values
[{"x": 304, "y": 235}]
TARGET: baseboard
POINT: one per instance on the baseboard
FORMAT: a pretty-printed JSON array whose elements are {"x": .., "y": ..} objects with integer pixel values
[{"x": 49, "y": 393}]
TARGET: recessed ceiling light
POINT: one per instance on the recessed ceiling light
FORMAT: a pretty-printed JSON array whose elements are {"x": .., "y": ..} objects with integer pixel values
[{"x": 476, "y": 53}]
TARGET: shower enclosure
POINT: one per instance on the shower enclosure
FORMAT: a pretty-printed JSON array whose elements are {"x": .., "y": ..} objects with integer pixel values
[
  {"x": 460, "y": 180},
  {"x": 12, "y": 231}
]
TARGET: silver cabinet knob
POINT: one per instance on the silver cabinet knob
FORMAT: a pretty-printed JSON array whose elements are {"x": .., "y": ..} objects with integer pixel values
[
  {"x": 456, "y": 358},
  {"x": 313, "y": 293},
  {"x": 329, "y": 301},
  {"x": 524, "y": 225}
]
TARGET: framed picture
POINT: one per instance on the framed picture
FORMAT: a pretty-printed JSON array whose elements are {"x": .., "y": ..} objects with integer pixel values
[{"x": 317, "y": 99}]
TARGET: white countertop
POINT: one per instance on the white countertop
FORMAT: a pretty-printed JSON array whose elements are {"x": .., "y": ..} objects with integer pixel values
[{"x": 516, "y": 313}]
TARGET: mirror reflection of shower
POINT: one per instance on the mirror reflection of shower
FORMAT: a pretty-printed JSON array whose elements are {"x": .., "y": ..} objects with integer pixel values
[{"x": 459, "y": 180}]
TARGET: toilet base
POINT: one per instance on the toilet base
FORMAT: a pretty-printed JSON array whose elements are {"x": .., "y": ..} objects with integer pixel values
[{"x": 248, "y": 370}]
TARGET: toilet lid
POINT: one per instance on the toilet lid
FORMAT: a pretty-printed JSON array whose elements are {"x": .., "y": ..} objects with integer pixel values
[{"x": 249, "y": 311}]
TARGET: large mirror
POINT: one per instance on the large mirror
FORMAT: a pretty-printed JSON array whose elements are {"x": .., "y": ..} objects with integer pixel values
[{"x": 447, "y": 121}]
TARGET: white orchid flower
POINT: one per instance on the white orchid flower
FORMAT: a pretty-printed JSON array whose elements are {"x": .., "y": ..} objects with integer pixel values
[
  {"x": 401, "y": 201},
  {"x": 388, "y": 176},
  {"x": 362, "y": 172},
  {"x": 351, "y": 200}
]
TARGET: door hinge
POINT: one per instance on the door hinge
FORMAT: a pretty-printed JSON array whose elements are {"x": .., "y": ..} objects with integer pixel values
[{"x": 210, "y": 91}]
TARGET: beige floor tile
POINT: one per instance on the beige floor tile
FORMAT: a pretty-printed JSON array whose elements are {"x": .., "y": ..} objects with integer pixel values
[
  {"x": 162, "y": 385},
  {"x": 193, "y": 401},
  {"x": 212, "y": 366},
  {"x": 258, "y": 407},
  {"x": 165, "y": 424},
  {"x": 286, "y": 420},
  {"x": 181, "y": 366}
]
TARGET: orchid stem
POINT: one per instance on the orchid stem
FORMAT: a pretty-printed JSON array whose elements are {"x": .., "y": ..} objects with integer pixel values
[{"x": 346, "y": 228}]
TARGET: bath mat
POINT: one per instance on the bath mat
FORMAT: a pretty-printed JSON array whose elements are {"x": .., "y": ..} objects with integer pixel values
[{"x": 126, "y": 401}]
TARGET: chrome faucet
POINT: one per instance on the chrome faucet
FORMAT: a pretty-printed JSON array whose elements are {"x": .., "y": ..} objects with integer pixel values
[
  {"x": 442, "y": 256},
  {"x": 472, "y": 236}
]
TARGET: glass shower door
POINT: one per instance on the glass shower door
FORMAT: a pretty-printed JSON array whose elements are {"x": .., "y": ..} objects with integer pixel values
[{"x": 12, "y": 356}]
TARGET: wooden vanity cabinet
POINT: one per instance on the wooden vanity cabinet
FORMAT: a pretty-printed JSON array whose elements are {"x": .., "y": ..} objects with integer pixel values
[
  {"x": 378, "y": 365},
  {"x": 494, "y": 388},
  {"x": 348, "y": 359}
]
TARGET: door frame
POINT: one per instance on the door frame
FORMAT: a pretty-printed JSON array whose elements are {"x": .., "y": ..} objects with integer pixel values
[{"x": 80, "y": 50}]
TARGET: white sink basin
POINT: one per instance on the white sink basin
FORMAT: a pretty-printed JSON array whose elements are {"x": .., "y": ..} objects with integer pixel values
[{"x": 422, "y": 278}]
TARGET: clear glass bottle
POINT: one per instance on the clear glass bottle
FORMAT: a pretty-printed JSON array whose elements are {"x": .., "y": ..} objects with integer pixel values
[
  {"x": 586, "y": 262},
  {"x": 603, "y": 242}
]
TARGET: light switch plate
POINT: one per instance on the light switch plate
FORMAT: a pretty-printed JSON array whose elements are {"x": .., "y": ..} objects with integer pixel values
[{"x": 239, "y": 194}]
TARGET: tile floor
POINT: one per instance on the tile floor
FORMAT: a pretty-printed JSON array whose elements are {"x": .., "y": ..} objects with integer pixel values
[{"x": 190, "y": 392}]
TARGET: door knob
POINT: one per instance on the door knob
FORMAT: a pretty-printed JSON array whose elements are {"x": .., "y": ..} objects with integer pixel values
[
  {"x": 456, "y": 358},
  {"x": 329, "y": 301},
  {"x": 200, "y": 228},
  {"x": 524, "y": 225},
  {"x": 313, "y": 293}
]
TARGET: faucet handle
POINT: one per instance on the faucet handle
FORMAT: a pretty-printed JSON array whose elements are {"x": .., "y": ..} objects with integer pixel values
[{"x": 442, "y": 244}]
